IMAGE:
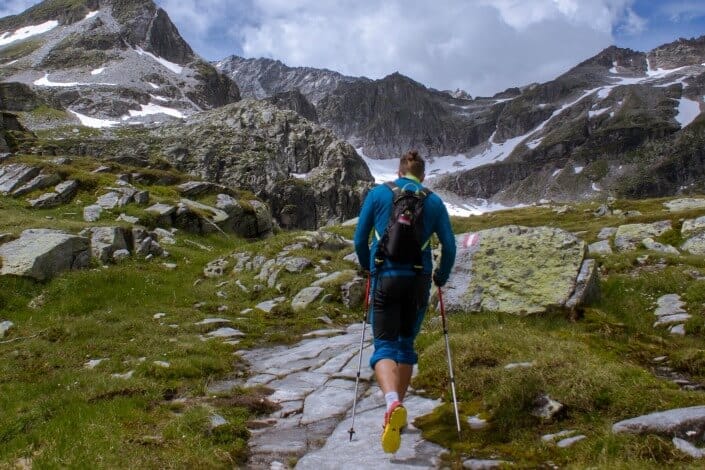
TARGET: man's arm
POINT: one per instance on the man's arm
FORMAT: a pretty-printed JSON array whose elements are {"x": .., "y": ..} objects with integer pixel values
[
  {"x": 365, "y": 224},
  {"x": 447, "y": 238}
]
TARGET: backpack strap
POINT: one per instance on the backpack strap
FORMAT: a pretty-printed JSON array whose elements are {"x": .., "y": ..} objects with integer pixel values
[{"x": 396, "y": 191}]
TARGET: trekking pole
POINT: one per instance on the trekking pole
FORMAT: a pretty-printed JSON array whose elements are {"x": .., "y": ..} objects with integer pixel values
[
  {"x": 450, "y": 363},
  {"x": 351, "y": 431}
]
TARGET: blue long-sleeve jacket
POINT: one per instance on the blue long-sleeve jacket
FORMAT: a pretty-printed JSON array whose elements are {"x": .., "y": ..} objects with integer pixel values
[{"x": 375, "y": 214}]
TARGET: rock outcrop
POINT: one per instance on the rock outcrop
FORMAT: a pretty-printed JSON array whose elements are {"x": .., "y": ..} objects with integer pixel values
[{"x": 307, "y": 176}]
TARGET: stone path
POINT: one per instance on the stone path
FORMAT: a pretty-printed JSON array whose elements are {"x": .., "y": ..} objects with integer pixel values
[{"x": 314, "y": 383}]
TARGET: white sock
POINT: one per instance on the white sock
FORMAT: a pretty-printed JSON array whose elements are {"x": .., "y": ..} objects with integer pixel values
[{"x": 390, "y": 398}]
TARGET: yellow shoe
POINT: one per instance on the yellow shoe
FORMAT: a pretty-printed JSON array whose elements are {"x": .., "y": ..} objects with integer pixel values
[{"x": 394, "y": 421}]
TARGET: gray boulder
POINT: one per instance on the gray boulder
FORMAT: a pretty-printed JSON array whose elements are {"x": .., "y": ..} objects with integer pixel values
[
  {"x": 667, "y": 423},
  {"x": 42, "y": 253},
  {"x": 92, "y": 213},
  {"x": 249, "y": 219},
  {"x": 518, "y": 270},
  {"x": 305, "y": 297},
  {"x": 63, "y": 193},
  {"x": 652, "y": 245},
  {"x": 105, "y": 241}
]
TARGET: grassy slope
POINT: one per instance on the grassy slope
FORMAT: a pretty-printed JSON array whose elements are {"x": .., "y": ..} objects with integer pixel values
[{"x": 56, "y": 412}]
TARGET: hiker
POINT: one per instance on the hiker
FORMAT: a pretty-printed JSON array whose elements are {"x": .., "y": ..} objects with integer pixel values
[{"x": 401, "y": 281}]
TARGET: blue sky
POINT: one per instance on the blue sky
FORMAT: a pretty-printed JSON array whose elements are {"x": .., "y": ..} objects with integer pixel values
[{"x": 481, "y": 46}]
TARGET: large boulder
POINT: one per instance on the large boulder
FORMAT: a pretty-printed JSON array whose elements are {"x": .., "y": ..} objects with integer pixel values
[
  {"x": 42, "y": 253},
  {"x": 519, "y": 270}
]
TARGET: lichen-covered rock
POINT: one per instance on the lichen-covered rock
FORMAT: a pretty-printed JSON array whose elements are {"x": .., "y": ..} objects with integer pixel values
[
  {"x": 602, "y": 247},
  {"x": 514, "y": 269},
  {"x": 695, "y": 245},
  {"x": 629, "y": 236},
  {"x": 249, "y": 219},
  {"x": 684, "y": 204},
  {"x": 692, "y": 227},
  {"x": 42, "y": 253}
]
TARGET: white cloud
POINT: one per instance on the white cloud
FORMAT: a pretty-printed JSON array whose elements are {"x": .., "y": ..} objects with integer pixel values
[{"x": 482, "y": 46}]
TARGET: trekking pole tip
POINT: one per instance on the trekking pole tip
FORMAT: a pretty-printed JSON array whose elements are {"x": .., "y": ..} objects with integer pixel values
[{"x": 351, "y": 431}]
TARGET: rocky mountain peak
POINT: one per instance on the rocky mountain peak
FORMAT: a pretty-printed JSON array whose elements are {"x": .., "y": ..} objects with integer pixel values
[
  {"x": 680, "y": 53},
  {"x": 109, "y": 62},
  {"x": 263, "y": 78}
]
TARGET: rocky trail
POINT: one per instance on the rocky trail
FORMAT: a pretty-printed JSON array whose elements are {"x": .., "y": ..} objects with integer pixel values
[{"x": 314, "y": 383}]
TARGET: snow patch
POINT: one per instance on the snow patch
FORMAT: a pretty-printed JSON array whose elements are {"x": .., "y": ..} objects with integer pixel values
[
  {"x": 595, "y": 187},
  {"x": 27, "y": 31},
  {"x": 158, "y": 98},
  {"x": 93, "y": 122},
  {"x": 688, "y": 110},
  {"x": 300, "y": 176},
  {"x": 156, "y": 87},
  {"x": 91, "y": 14},
  {"x": 578, "y": 169},
  {"x": 44, "y": 81},
  {"x": 534, "y": 143},
  {"x": 97, "y": 71},
  {"x": 9, "y": 63},
  {"x": 467, "y": 209},
  {"x": 597, "y": 112},
  {"x": 614, "y": 67},
  {"x": 176, "y": 68},
  {"x": 555, "y": 173},
  {"x": 151, "y": 108}
]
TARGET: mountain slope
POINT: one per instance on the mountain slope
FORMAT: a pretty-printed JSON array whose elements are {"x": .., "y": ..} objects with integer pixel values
[{"x": 115, "y": 60}]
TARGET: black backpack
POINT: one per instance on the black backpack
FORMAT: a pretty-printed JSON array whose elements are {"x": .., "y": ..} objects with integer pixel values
[{"x": 402, "y": 239}]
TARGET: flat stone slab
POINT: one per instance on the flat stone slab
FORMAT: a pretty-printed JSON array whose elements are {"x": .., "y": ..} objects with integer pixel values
[
  {"x": 226, "y": 332},
  {"x": 663, "y": 422},
  {"x": 365, "y": 451},
  {"x": 672, "y": 319}
]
